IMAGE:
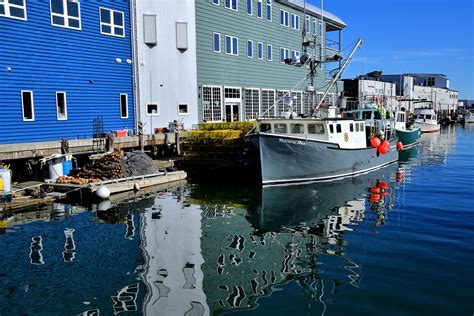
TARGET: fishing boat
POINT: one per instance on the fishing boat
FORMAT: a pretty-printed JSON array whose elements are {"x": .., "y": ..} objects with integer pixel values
[
  {"x": 427, "y": 120},
  {"x": 407, "y": 134},
  {"x": 469, "y": 117}
]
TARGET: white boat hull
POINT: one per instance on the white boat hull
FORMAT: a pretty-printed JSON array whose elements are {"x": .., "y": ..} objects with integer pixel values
[{"x": 428, "y": 127}]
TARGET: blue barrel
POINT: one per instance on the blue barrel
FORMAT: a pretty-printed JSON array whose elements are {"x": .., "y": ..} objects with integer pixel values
[{"x": 67, "y": 167}]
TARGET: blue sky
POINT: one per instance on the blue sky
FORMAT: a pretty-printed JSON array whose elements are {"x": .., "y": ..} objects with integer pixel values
[{"x": 401, "y": 36}]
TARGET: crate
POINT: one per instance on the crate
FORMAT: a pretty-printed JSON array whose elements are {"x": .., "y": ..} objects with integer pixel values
[{"x": 121, "y": 133}]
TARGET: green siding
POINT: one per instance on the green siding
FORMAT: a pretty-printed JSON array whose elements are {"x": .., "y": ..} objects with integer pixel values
[{"x": 240, "y": 71}]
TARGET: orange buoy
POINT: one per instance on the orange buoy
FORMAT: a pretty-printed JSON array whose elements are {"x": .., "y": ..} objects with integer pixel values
[
  {"x": 375, "y": 141},
  {"x": 386, "y": 144},
  {"x": 384, "y": 193},
  {"x": 374, "y": 198},
  {"x": 383, "y": 185},
  {"x": 375, "y": 190},
  {"x": 382, "y": 149},
  {"x": 399, "y": 146}
]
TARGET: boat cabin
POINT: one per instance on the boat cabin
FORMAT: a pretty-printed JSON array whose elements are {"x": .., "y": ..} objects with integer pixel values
[{"x": 346, "y": 133}]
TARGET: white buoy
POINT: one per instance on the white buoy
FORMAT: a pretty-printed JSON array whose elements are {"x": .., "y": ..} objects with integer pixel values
[{"x": 102, "y": 192}]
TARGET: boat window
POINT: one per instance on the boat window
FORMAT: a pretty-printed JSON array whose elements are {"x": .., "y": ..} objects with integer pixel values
[
  {"x": 297, "y": 128},
  {"x": 351, "y": 127},
  {"x": 349, "y": 115},
  {"x": 338, "y": 128},
  {"x": 401, "y": 117},
  {"x": 280, "y": 128},
  {"x": 428, "y": 117},
  {"x": 315, "y": 129},
  {"x": 377, "y": 115},
  {"x": 331, "y": 128},
  {"x": 265, "y": 128},
  {"x": 367, "y": 115},
  {"x": 357, "y": 127}
]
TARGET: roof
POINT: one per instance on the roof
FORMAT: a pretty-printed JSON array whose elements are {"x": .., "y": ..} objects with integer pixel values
[{"x": 316, "y": 11}]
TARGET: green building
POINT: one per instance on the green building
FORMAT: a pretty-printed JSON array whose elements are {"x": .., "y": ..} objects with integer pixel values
[{"x": 241, "y": 47}]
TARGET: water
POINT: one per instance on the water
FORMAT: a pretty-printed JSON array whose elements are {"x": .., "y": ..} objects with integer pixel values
[{"x": 397, "y": 241}]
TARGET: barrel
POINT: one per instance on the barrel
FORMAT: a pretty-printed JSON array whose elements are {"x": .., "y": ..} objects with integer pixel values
[{"x": 5, "y": 181}]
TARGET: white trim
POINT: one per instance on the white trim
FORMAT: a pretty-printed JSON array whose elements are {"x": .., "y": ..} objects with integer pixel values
[
  {"x": 218, "y": 2},
  {"x": 271, "y": 55},
  {"x": 126, "y": 105},
  {"x": 251, "y": 7},
  {"x": 232, "y": 100},
  {"x": 187, "y": 108},
  {"x": 112, "y": 25},
  {"x": 285, "y": 15},
  {"x": 213, "y": 44},
  {"x": 32, "y": 106},
  {"x": 232, "y": 45},
  {"x": 65, "y": 15},
  {"x": 268, "y": 3},
  {"x": 7, "y": 13},
  {"x": 251, "y": 51},
  {"x": 157, "y": 109},
  {"x": 65, "y": 106},
  {"x": 221, "y": 100},
  {"x": 259, "y": 44},
  {"x": 272, "y": 103},
  {"x": 261, "y": 9},
  {"x": 286, "y": 54},
  {"x": 230, "y": 2}
]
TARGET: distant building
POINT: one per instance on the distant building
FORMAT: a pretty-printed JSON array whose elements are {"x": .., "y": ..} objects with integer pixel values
[
  {"x": 467, "y": 104},
  {"x": 66, "y": 69}
]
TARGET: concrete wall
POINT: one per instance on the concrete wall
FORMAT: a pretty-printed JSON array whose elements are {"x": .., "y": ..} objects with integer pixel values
[{"x": 166, "y": 75}]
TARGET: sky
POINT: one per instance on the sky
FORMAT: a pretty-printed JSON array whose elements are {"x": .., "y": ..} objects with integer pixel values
[{"x": 410, "y": 36}]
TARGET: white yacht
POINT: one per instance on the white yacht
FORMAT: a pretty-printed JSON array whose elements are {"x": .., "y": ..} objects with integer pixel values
[{"x": 427, "y": 120}]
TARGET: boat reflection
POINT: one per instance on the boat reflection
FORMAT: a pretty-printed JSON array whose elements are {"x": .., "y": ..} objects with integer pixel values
[{"x": 296, "y": 233}]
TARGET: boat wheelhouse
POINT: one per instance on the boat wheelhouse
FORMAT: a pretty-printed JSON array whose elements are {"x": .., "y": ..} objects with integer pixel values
[
  {"x": 407, "y": 134},
  {"x": 427, "y": 120}
]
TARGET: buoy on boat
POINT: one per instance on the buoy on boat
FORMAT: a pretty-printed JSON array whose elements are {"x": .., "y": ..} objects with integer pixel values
[
  {"x": 383, "y": 185},
  {"x": 383, "y": 149},
  {"x": 375, "y": 141},
  {"x": 374, "y": 198},
  {"x": 102, "y": 192},
  {"x": 399, "y": 145},
  {"x": 375, "y": 190}
]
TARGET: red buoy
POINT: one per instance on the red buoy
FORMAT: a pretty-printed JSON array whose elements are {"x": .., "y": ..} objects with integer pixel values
[
  {"x": 400, "y": 146},
  {"x": 386, "y": 144},
  {"x": 374, "y": 198},
  {"x": 375, "y": 141},
  {"x": 383, "y": 185},
  {"x": 383, "y": 149},
  {"x": 375, "y": 190}
]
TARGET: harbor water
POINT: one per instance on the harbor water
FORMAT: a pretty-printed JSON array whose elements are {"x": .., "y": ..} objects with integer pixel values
[{"x": 396, "y": 241}]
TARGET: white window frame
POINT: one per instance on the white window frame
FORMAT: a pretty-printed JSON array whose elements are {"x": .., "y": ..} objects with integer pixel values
[
  {"x": 7, "y": 6},
  {"x": 65, "y": 15},
  {"x": 270, "y": 56},
  {"x": 251, "y": 51},
  {"x": 216, "y": 2},
  {"x": 32, "y": 106},
  {"x": 295, "y": 21},
  {"x": 112, "y": 24},
  {"x": 213, "y": 44},
  {"x": 269, "y": 113},
  {"x": 230, "y": 2},
  {"x": 315, "y": 25},
  {"x": 308, "y": 24},
  {"x": 157, "y": 109},
  {"x": 259, "y": 45},
  {"x": 286, "y": 54},
  {"x": 286, "y": 18},
  {"x": 232, "y": 45},
  {"x": 126, "y": 105},
  {"x": 268, "y": 5},
  {"x": 260, "y": 4},
  {"x": 187, "y": 108},
  {"x": 221, "y": 91},
  {"x": 249, "y": 12},
  {"x": 244, "y": 92},
  {"x": 65, "y": 106}
]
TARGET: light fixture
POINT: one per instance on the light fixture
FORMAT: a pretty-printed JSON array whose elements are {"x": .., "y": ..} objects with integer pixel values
[{"x": 118, "y": 60}]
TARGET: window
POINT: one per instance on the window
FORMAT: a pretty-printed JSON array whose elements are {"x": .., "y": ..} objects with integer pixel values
[
  {"x": 216, "y": 42},
  {"x": 315, "y": 129},
  {"x": 183, "y": 109},
  {"x": 252, "y": 103},
  {"x": 66, "y": 13},
  {"x": 216, "y": 2},
  {"x": 232, "y": 4},
  {"x": 123, "y": 105},
  {"x": 250, "y": 49},
  {"x": 111, "y": 22},
  {"x": 269, "y": 10},
  {"x": 284, "y": 54},
  {"x": 265, "y": 128},
  {"x": 259, "y": 9},
  {"x": 294, "y": 55},
  {"x": 268, "y": 100},
  {"x": 430, "y": 81},
  {"x": 260, "y": 50},
  {"x": 297, "y": 128},
  {"x": 295, "y": 21},
  {"x": 297, "y": 98},
  {"x": 269, "y": 52},
  {"x": 249, "y": 7},
  {"x": 338, "y": 128},
  {"x": 211, "y": 103},
  {"x": 13, "y": 9},
  {"x": 61, "y": 106},
  {"x": 331, "y": 128},
  {"x": 280, "y": 128},
  {"x": 307, "y": 25},
  {"x": 315, "y": 26},
  {"x": 284, "y": 18},
  {"x": 351, "y": 127},
  {"x": 231, "y": 45},
  {"x": 361, "y": 127},
  {"x": 152, "y": 109},
  {"x": 357, "y": 127},
  {"x": 27, "y": 106}
]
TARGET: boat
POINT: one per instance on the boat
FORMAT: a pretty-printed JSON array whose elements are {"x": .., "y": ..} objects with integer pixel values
[
  {"x": 469, "y": 117},
  {"x": 408, "y": 134},
  {"x": 326, "y": 145},
  {"x": 427, "y": 120}
]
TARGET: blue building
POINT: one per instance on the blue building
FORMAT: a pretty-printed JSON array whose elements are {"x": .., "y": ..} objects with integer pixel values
[{"x": 65, "y": 67}]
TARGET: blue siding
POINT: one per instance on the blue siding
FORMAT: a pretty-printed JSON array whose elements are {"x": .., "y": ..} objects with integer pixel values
[{"x": 45, "y": 59}]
